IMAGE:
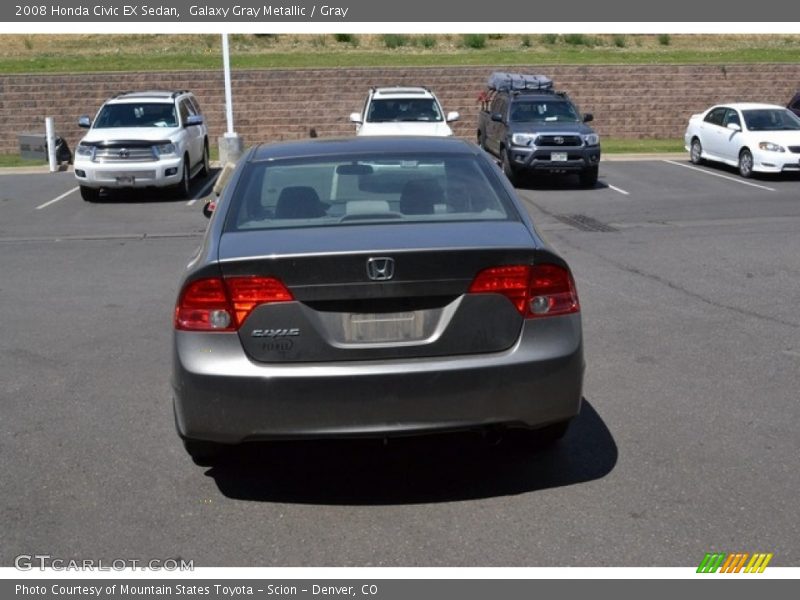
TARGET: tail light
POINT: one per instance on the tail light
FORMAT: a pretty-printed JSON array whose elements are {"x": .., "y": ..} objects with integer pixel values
[
  {"x": 217, "y": 304},
  {"x": 535, "y": 290}
]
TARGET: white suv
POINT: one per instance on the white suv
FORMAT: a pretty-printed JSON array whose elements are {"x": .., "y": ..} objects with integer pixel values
[
  {"x": 403, "y": 111},
  {"x": 142, "y": 139}
]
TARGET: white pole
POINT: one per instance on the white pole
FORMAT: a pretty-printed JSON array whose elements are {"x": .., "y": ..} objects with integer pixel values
[
  {"x": 50, "y": 134},
  {"x": 228, "y": 96}
]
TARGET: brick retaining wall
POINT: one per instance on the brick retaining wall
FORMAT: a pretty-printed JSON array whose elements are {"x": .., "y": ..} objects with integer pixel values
[{"x": 638, "y": 101}]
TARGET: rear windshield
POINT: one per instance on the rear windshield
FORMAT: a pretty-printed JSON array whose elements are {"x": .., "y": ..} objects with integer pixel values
[
  {"x": 404, "y": 109},
  {"x": 351, "y": 190},
  {"x": 137, "y": 115},
  {"x": 770, "y": 119},
  {"x": 530, "y": 111}
]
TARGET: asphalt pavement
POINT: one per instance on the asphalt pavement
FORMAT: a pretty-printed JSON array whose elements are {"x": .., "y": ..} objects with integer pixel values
[{"x": 688, "y": 441}]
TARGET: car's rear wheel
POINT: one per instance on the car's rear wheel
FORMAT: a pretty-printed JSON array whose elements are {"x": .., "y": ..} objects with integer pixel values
[
  {"x": 90, "y": 194},
  {"x": 696, "y": 152},
  {"x": 588, "y": 177},
  {"x": 203, "y": 453},
  {"x": 206, "y": 168},
  {"x": 182, "y": 188},
  {"x": 746, "y": 163}
]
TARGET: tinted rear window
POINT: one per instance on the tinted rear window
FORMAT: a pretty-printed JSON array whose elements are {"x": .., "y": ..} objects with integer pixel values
[{"x": 349, "y": 190}]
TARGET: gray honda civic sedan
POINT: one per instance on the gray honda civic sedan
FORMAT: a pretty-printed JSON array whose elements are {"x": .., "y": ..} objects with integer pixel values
[{"x": 372, "y": 286}]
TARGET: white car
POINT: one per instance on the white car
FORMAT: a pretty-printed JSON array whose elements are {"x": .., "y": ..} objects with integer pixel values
[
  {"x": 403, "y": 111},
  {"x": 142, "y": 139},
  {"x": 755, "y": 138}
]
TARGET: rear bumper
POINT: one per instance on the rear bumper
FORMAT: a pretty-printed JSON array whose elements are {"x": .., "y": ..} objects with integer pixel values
[{"x": 221, "y": 395}]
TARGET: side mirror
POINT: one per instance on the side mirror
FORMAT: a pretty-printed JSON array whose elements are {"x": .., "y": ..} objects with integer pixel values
[
  {"x": 84, "y": 121},
  {"x": 497, "y": 117},
  {"x": 588, "y": 117},
  {"x": 734, "y": 127},
  {"x": 356, "y": 118},
  {"x": 193, "y": 120},
  {"x": 453, "y": 116},
  {"x": 208, "y": 208}
]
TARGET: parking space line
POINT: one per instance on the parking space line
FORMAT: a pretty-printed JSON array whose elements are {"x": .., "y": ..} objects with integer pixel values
[
  {"x": 54, "y": 200},
  {"x": 733, "y": 179},
  {"x": 616, "y": 189},
  {"x": 202, "y": 191}
]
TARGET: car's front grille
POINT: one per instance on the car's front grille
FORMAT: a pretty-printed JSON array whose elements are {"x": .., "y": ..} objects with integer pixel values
[
  {"x": 124, "y": 154},
  {"x": 559, "y": 140},
  {"x": 794, "y": 149}
]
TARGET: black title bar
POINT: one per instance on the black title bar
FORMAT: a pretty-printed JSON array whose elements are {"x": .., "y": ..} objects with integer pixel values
[{"x": 411, "y": 11}]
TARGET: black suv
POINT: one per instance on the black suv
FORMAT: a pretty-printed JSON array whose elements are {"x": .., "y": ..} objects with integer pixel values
[{"x": 536, "y": 129}]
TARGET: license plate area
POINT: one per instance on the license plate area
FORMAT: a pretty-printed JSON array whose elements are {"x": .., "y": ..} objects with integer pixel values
[
  {"x": 125, "y": 180},
  {"x": 372, "y": 328},
  {"x": 558, "y": 156}
]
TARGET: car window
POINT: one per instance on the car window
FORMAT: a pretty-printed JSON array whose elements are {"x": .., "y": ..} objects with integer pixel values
[
  {"x": 133, "y": 114},
  {"x": 770, "y": 119},
  {"x": 369, "y": 189},
  {"x": 195, "y": 105},
  {"x": 185, "y": 110},
  {"x": 731, "y": 116},
  {"x": 531, "y": 111},
  {"x": 403, "y": 109},
  {"x": 498, "y": 104},
  {"x": 716, "y": 116}
]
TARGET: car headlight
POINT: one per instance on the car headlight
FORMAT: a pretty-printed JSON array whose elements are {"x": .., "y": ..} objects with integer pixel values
[
  {"x": 163, "y": 149},
  {"x": 84, "y": 150},
  {"x": 522, "y": 139},
  {"x": 770, "y": 147},
  {"x": 591, "y": 139}
]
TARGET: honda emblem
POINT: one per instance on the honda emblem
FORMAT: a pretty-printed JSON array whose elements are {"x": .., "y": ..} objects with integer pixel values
[{"x": 380, "y": 268}]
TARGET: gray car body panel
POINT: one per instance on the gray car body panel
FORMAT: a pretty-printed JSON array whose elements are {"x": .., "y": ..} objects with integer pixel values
[{"x": 536, "y": 382}]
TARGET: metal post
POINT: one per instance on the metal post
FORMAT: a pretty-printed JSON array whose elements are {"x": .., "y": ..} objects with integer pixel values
[
  {"x": 50, "y": 134},
  {"x": 230, "y": 145},
  {"x": 226, "y": 61}
]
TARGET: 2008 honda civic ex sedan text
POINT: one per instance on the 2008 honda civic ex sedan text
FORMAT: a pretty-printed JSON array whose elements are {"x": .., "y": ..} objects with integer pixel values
[{"x": 372, "y": 286}]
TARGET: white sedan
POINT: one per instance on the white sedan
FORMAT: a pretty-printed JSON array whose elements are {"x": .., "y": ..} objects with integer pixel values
[{"x": 753, "y": 137}]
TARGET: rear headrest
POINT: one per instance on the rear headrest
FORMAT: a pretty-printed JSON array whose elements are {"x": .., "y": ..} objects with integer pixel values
[
  {"x": 299, "y": 202},
  {"x": 419, "y": 197}
]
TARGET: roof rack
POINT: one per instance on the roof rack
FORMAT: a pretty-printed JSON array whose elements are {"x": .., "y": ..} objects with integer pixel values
[{"x": 517, "y": 82}]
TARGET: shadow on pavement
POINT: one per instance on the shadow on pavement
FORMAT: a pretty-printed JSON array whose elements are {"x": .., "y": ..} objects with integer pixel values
[
  {"x": 555, "y": 182},
  {"x": 427, "y": 469}
]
